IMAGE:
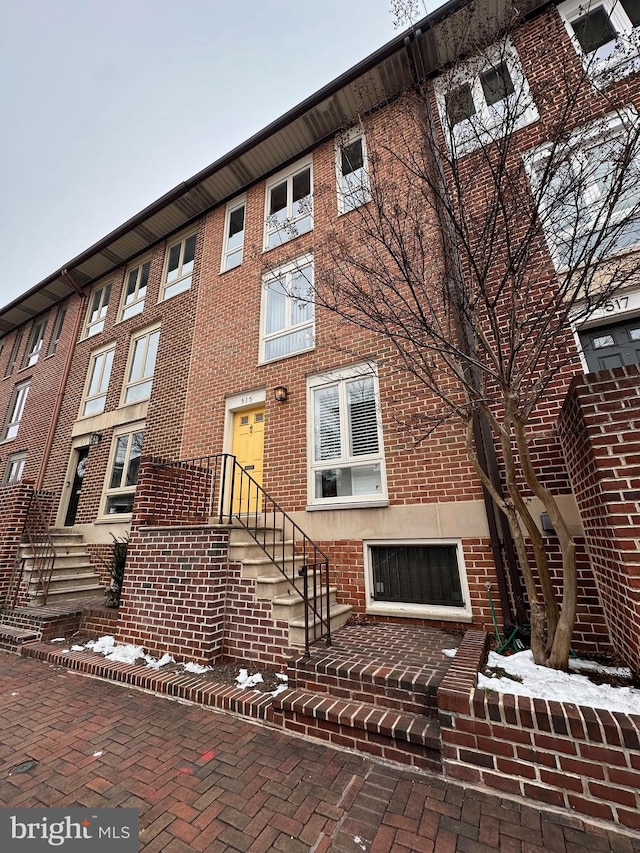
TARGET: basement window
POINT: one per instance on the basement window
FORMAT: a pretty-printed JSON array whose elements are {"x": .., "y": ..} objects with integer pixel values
[{"x": 417, "y": 578}]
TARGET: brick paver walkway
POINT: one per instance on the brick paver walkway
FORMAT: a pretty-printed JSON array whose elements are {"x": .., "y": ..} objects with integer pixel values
[{"x": 206, "y": 781}]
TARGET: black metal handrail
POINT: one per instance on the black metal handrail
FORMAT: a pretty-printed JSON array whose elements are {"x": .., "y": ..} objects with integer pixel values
[{"x": 218, "y": 487}]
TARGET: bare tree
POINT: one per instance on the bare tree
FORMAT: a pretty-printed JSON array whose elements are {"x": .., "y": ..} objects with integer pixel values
[{"x": 492, "y": 215}]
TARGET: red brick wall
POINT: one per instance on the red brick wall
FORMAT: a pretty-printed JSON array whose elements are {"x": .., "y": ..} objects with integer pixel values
[
  {"x": 600, "y": 431},
  {"x": 557, "y": 753},
  {"x": 45, "y": 377},
  {"x": 14, "y": 506}
]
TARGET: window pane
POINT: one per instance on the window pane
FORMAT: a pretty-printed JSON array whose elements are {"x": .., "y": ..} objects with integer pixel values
[
  {"x": 632, "y": 8},
  {"x": 460, "y": 105},
  {"x": 496, "y": 84},
  {"x": 134, "y": 458},
  {"x": 95, "y": 406},
  {"x": 278, "y": 200},
  {"x": 286, "y": 344},
  {"x": 276, "y": 306},
  {"x": 326, "y": 414},
  {"x": 236, "y": 228},
  {"x": 131, "y": 286},
  {"x": 141, "y": 391},
  {"x": 302, "y": 185},
  {"x": 594, "y": 30},
  {"x": 301, "y": 296},
  {"x": 174, "y": 262},
  {"x": 634, "y": 334},
  {"x": 152, "y": 353},
  {"x": 352, "y": 157},
  {"x": 118, "y": 462},
  {"x": 363, "y": 427},
  {"x": 189, "y": 255},
  {"x": 137, "y": 362}
]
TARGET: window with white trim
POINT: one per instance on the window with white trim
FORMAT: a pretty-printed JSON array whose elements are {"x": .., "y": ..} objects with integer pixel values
[
  {"x": 97, "y": 382},
  {"x": 417, "y": 576},
  {"x": 352, "y": 171},
  {"x": 289, "y": 205},
  {"x": 142, "y": 362},
  {"x": 122, "y": 475},
  {"x": 233, "y": 247},
  {"x": 97, "y": 311},
  {"x": 604, "y": 33},
  {"x": 179, "y": 267},
  {"x": 288, "y": 311},
  {"x": 483, "y": 99},
  {"x": 16, "y": 411},
  {"x": 57, "y": 331},
  {"x": 34, "y": 346},
  {"x": 15, "y": 467},
  {"x": 134, "y": 291},
  {"x": 346, "y": 452},
  {"x": 13, "y": 357},
  {"x": 588, "y": 192}
]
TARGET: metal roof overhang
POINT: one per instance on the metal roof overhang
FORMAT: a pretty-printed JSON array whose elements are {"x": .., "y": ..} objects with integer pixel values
[{"x": 363, "y": 88}]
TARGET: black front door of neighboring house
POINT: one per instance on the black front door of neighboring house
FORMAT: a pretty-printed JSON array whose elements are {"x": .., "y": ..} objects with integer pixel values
[
  {"x": 612, "y": 346},
  {"x": 76, "y": 486}
]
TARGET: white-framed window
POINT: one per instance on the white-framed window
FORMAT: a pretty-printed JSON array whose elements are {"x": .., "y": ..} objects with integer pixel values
[
  {"x": 122, "y": 472},
  {"x": 604, "y": 33},
  {"x": 289, "y": 205},
  {"x": 142, "y": 362},
  {"x": 417, "y": 577},
  {"x": 97, "y": 382},
  {"x": 134, "y": 290},
  {"x": 14, "y": 469},
  {"x": 233, "y": 246},
  {"x": 345, "y": 438},
  {"x": 484, "y": 98},
  {"x": 16, "y": 410},
  {"x": 178, "y": 271},
  {"x": 588, "y": 192},
  {"x": 97, "y": 311},
  {"x": 352, "y": 171},
  {"x": 34, "y": 346},
  {"x": 13, "y": 356},
  {"x": 57, "y": 331},
  {"x": 288, "y": 310}
]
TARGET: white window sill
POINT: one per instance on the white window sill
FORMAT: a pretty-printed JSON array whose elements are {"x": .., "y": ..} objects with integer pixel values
[
  {"x": 420, "y": 611},
  {"x": 352, "y": 505},
  {"x": 113, "y": 518}
]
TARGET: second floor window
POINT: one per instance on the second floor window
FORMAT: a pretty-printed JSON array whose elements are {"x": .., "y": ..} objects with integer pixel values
[
  {"x": 97, "y": 385},
  {"x": 288, "y": 314},
  {"x": 57, "y": 332},
  {"x": 142, "y": 362},
  {"x": 603, "y": 31},
  {"x": 13, "y": 356},
  {"x": 98, "y": 306},
  {"x": 134, "y": 291},
  {"x": 35, "y": 344},
  {"x": 233, "y": 236},
  {"x": 352, "y": 173},
  {"x": 16, "y": 410},
  {"x": 179, "y": 267},
  {"x": 289, "y": 206}
]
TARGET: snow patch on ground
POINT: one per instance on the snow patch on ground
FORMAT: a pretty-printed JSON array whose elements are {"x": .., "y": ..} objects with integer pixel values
[
  {"x": 246, "y": 681},
  {"x": 545, "y": 683}
]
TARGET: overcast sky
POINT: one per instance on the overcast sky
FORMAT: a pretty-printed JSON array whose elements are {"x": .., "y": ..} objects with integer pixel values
[{"x": 108, "y": 104}]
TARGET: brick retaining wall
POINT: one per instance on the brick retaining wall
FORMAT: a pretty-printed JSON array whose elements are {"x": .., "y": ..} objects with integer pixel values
[{"x": 558, "y": 753}]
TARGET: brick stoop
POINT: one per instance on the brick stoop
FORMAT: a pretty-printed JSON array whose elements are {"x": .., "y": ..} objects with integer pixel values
[
  {"x": 374, "y": 690},
  {"x": 13, "y": 638}
]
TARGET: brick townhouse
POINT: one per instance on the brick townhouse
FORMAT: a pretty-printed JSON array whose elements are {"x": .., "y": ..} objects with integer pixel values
[{"x": 189, "y": 334}]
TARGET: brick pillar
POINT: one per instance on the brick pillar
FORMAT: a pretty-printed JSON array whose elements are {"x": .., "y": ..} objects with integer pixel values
[
  {"x": 14, "y": 506},
  {"x": 599, "y": 428}
]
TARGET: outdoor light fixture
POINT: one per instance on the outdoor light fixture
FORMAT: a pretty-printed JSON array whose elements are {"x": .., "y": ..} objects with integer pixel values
[
  {"x": 96, "y": 438},
  {"x": 281, "y": 394}
]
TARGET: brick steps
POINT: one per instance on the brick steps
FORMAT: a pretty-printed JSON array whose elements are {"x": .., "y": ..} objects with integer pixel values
[
  {"x": 12, "y": 637},
  {"x": 410, "y": 738}
]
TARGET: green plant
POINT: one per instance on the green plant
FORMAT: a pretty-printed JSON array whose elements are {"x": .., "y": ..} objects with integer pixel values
[{"x": 115, "y": 565}]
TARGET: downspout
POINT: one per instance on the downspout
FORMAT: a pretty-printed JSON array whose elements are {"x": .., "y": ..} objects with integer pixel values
[
  {"x": 48, "y": 444},
  {"x": 501, "y": 545}
]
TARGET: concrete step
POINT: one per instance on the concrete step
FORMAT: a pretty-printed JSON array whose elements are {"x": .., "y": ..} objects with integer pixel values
[
  {"x": 340, "y": 614},
  {"x": 291, "y": 605},
  {"x": 55, "y": 596},
  {"x": 259, "y": 567},
  {"x": 63, "y": 562},
  {"x": 275, "y": 585},
  {"x": 383, "y": 730},
  {"x": 61, "y": 580}
]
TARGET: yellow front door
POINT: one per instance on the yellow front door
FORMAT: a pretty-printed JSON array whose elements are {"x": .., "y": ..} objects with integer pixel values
[{"x": 248, "y": 446}]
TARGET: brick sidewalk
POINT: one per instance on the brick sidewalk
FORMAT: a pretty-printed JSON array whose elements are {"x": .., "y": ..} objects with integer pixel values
[{"x": 206, "y": 781}]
